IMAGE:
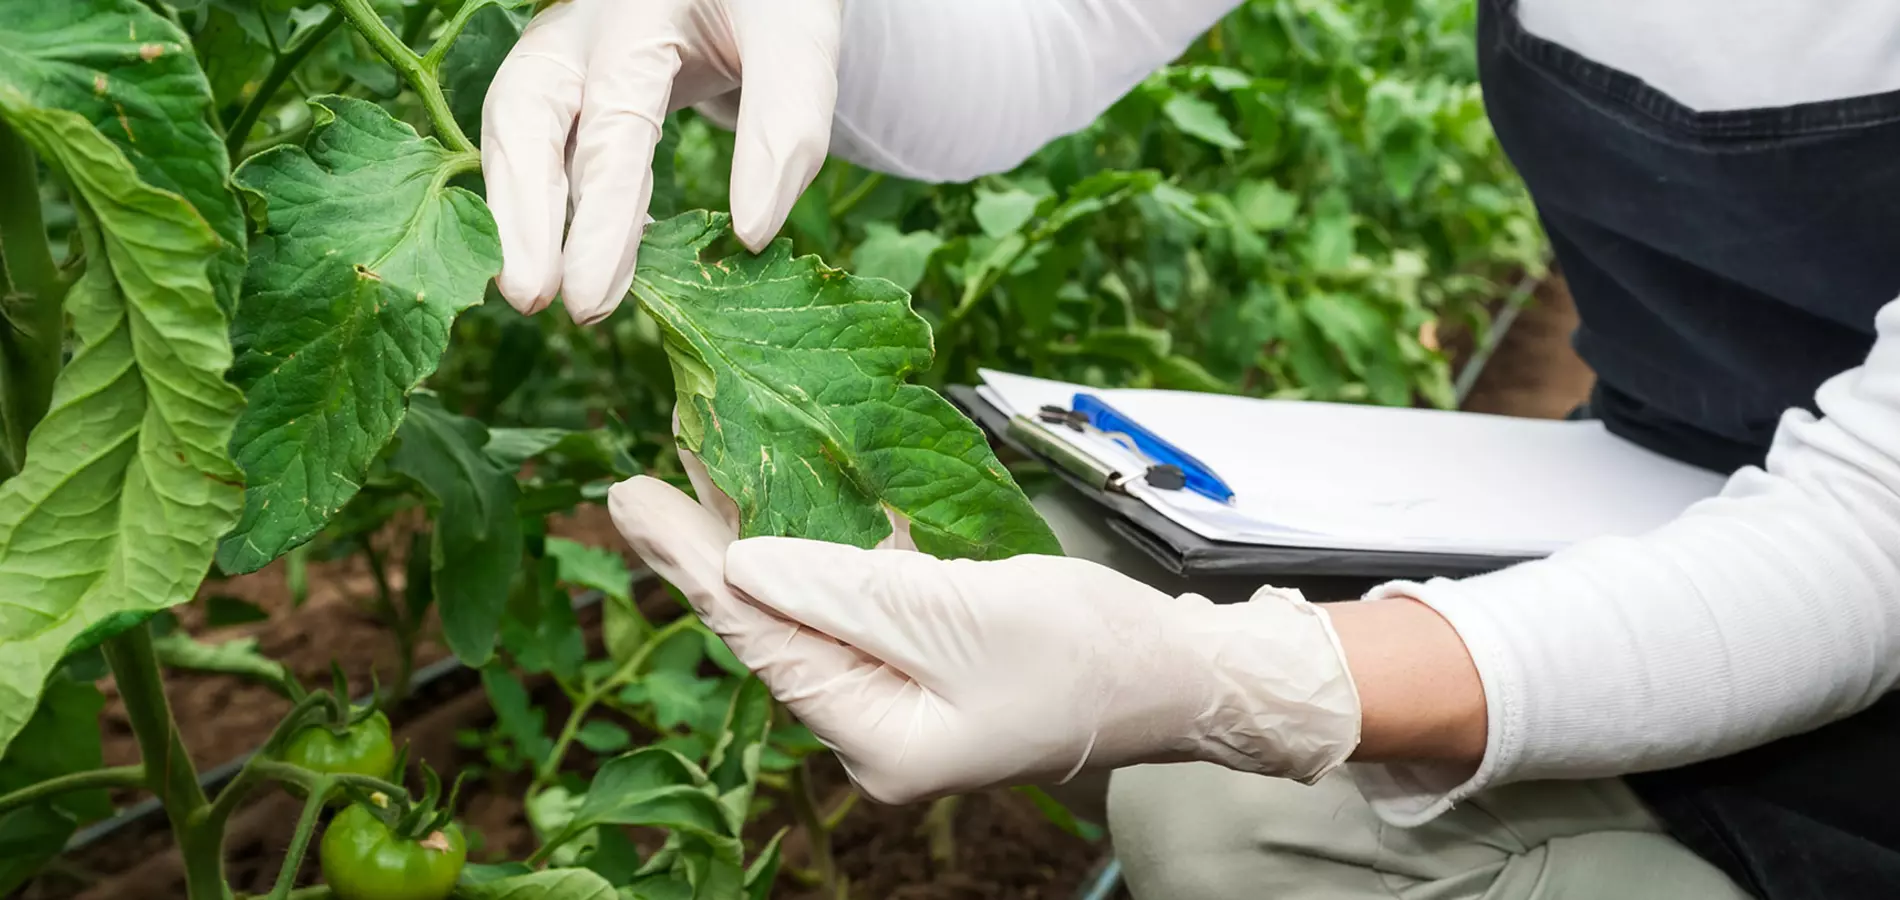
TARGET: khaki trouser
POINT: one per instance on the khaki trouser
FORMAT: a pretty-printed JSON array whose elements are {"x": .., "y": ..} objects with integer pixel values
[{"x": 1201, "y": 832}]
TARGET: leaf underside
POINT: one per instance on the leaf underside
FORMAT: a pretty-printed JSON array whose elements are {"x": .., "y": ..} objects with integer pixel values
[
  {"x": 791, "y": 391},
  {"x": 127, "y": 484},
  {"x": 131, "y": 73}
]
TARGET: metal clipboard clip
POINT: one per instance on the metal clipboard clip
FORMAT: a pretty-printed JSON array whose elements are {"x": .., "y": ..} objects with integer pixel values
[{"x": 1170, "y": 468}]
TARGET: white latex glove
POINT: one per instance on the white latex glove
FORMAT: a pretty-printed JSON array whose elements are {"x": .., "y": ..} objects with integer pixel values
[
  {"x": 575, "y": 111},
  {"x": 932, "y": 677}
]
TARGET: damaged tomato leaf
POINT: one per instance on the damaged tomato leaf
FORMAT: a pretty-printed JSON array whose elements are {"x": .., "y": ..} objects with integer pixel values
[
  {"x": 364, "y": 258},
  {"x": 791, "y": 381}
]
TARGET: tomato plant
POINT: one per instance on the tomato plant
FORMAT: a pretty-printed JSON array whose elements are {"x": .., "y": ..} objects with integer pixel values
[{"x": 246, "y": 318}]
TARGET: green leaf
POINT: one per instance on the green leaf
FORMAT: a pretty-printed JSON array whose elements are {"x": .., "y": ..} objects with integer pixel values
[
  {"x": 1329, "y": 242},
  {"x": 734, "y": 764},
  {"x": 131, "y": 73},
  {"x": 1058, "y": 814},
  {"x": 554, "y": 884},
  {"x": 1000, "y": 213},
  {"x": 1265, "y": 206},
  {"x": 603, "y": 737},
  {"x": 591, "y": 567},
  {"x": 477, "y": 543},
  {"x": 29, "y": 837},
  {"x": 516, "y": 716},
  {"x": 365, "y": 258},
  {"x": 240, "y": 657},
  {"x": 762, "y": 875},
  {"x": 895, "y": 256},
  {"x": 224, "y": 611},
  {"x": 482, "y": 873},
  {"x": 127, "y": 485},
  {"x": 677, "y": 698},
  {"x": 60, "y": 739},
  {"x": 1200, "y": 119},
  {"x": 613, "y": 856},
  {"x": 233, "y": 57},
  {"x": 654, "y": 788},
  {"x": 790, "y": 378}
]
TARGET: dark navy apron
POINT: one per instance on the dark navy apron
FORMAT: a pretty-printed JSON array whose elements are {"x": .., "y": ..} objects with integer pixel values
[{"x": 1724, "y": 264}]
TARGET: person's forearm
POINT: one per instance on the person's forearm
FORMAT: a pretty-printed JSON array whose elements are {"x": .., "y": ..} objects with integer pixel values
[
  {"x": 948, "y": 90},
  {"x": 1419, "y": 692}
]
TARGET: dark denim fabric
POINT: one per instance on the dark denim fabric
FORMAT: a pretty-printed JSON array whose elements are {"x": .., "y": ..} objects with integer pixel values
[{"x": 1724, "y": 264}]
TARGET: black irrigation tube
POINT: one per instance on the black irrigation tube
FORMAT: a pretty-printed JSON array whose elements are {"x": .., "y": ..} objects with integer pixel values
[
  {"x": 213, "y": 779},
  {"x": 1514, "y": 304}
]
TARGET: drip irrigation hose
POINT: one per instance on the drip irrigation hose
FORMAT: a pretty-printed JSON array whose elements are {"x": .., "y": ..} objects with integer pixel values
[{"x": 1514, "y": 305}]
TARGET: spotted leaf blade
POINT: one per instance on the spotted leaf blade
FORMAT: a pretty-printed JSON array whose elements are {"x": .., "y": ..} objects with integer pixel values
[
  {"x": 791, "y": 391},
  {"x": 364, "y": 259},
  {"x": 131, "y": 73}
]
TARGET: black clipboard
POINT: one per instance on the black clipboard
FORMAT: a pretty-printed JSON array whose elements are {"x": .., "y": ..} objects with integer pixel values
[{"x": 1185, "y": 553}]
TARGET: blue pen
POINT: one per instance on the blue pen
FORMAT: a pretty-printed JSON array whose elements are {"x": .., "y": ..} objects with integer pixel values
[{"x": 1197, "y": 476}]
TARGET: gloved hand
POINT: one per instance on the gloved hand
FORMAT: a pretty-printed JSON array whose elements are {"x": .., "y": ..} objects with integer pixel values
[
  {"x": 932, "y": 677},
  {"x": 575, "y": 112}
]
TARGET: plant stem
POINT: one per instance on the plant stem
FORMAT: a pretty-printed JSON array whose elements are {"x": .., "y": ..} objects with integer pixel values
[
  {"x": 940, "y": 827},
  {"x": 859, "y": 191},
  {"x": 95, "y": 779},
  {"x": 835, "y": 817},
  {"x": 432, "y": 61},
  {"x": 300, "y": 839},
  {"x": 32, "y": 294},
  {"x": 254, "y": 769},
  {"x": 404, "y": 628},
  {"x": 279, "y": 72},
  {"x": 367, "y": 23},
  {"x": 817, "y": 830},
  {"x": 627, "y": 672},
  {"x": 168, "y": 769}
]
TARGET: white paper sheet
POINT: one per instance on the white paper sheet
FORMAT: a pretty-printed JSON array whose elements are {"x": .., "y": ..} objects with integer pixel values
[{"x": 1378, "y": 478}]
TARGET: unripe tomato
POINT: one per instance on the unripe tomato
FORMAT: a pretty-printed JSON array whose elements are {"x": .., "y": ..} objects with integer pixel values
[
  {"x": 362, "y": 860},
  {"x": 363, "y": 749}
]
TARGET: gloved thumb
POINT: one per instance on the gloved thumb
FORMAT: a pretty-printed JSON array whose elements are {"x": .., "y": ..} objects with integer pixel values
[{"x": 788, "y": 54}]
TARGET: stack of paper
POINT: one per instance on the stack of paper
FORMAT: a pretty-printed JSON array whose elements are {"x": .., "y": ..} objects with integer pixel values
[{"x": 1340, "y": 476}]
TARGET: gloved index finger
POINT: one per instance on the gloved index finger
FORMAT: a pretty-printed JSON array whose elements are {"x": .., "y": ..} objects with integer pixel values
[{"x": 527, "y": 115}]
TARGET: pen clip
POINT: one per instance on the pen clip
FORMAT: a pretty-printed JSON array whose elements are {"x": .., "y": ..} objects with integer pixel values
[{"x": 1169, "y": 462}]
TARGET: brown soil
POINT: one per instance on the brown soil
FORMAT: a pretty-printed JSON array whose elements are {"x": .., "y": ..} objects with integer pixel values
[{"x": 1534, "y": 372}]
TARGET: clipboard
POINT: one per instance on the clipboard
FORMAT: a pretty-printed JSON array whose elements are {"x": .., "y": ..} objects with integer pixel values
[{"x": 1185, "y": 553}]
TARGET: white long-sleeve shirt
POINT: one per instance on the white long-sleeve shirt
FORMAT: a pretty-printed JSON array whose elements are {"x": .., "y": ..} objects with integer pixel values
[{"x": 1768, "y": 611}]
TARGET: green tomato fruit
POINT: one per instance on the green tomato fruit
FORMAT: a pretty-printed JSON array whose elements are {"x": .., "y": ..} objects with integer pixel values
[
  {"x": 362, "y": 860},
  {"x": 364, "y": 749}
]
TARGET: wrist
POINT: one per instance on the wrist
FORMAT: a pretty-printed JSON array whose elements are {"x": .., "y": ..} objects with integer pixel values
[
  {"x": 1420, "y": 694},
  {"x": 1280, "y": 699}
]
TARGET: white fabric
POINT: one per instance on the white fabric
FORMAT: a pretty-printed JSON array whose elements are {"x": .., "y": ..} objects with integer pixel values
[
  {"x": 1715, "y": 55},
  {"x": 1770, "y": 610},
  {"x": 931, "y": 677}
]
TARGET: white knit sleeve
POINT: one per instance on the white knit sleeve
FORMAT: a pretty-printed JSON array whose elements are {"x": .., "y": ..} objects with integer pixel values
[
  {"x": 949, "y": 90},
  {"x": 1767, "y": 611}
]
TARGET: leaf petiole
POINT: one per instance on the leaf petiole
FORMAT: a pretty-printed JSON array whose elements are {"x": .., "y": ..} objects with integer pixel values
[
  {"x": 95, "y": 779},
  {"x": 410, "y": 66},
  {"x": 280, "y": 71}
]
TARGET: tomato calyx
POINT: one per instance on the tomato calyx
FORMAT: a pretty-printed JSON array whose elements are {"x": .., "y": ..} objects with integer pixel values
[{"x": 423, "y": 820}]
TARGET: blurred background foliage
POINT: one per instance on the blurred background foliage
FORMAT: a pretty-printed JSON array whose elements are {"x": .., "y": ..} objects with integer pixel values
[{"x": 1309, "y": 204}]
